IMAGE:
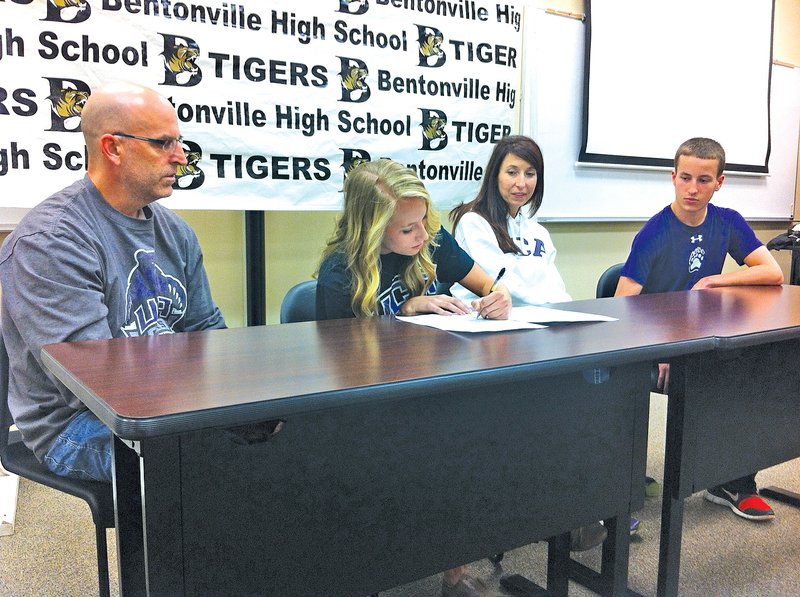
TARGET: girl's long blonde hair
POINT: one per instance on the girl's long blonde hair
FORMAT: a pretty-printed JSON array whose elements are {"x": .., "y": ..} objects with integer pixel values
[{"x": 371, "y": 193}]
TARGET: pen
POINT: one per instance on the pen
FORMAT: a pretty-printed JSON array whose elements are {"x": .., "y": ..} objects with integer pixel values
[
  {"x": 491, "y": 288},
  {"x": 497, "y": 279}
]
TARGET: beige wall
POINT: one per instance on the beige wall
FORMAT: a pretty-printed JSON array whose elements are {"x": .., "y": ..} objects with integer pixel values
[
  {"x": 786, "y": 44},
  {"x": 221, "y": 235},
  {"x": 295, "y": 239}
]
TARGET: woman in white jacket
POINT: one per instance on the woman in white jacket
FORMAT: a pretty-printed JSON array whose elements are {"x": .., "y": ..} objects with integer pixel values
[{"x": 499, "y": 229}]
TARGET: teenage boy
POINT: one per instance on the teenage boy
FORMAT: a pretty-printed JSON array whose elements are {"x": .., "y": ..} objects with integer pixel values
[{"x": 683, "y": 247}]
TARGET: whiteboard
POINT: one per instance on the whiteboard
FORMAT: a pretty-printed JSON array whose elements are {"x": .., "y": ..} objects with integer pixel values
[
  {"x": 669, "y": 75},
  {"x": 552, "y": 114}
]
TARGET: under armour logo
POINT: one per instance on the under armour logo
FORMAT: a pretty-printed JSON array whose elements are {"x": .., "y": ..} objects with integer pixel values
[{"x": 696, "y": 239}]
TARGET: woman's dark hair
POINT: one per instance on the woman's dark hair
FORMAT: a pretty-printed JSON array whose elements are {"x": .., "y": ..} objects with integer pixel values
[{"x": 489, "y": 203}]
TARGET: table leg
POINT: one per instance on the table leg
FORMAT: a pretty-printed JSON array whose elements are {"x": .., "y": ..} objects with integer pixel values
[
  {"x": 669, "y": 558},
  {"x": 614, "y": 563},
  {"x": 147, "y": 501},
  {"x": 128, "y": 505},
  {"x": 676, "y": 474},
  {"x": 613, "y": 576},
  {"x": 558, "y": 560}
]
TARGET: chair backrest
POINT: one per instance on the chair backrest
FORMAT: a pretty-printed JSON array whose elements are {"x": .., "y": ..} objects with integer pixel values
[
  {"x": 606, "y": 287},
  {"x": 7, "y": 436},
  {"x": 300, "y": 303},
  {"x": 5, "y": 415},
  {"x": 607, "y": 284}
]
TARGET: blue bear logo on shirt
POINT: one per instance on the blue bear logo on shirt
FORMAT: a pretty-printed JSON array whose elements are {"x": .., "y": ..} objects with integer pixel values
[
  {"x": 155, "y": 300},
  {"x": 696, "y": 259}
]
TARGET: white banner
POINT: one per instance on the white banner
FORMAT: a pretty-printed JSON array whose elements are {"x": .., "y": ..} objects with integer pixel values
[{"x": 275, "y": 100}]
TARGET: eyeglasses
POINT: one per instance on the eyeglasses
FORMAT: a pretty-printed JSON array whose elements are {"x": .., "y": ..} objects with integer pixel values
[{"x": 167, "y": 145}]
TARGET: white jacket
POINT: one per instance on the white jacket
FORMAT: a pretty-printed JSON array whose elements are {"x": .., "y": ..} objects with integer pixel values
[{"x": 532, "y": 278}]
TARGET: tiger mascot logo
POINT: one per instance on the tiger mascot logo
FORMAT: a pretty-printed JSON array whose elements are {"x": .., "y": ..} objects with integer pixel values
[
  {"x": 431, "y": 46},
  {"x": 190, "y": 175},
  {"x": 348, "y": 168},
  {"x": 190, "y": 168},
  {"x": 433, "y": 128},
  {"x": 355, "y": 79},
  {"x": 68, "y": 11},
  {"x": 67, "y": 106},
  {"x": 78, "y": 4},
  {"x": 434, "y": 136},
  {"x": 181, "y": 63},
  {"x": 353, "y": 7},
  {"x": 353, "y": 158},
  {"x": 430, "y": 42},
  {"x": 351, "y": 164},
  {"x": 354, "y": 82}
]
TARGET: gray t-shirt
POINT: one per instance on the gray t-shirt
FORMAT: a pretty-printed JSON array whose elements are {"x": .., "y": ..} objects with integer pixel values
[{"x": 77, "y": 269}]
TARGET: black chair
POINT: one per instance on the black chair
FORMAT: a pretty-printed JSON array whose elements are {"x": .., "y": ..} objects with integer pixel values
[
  {"x": 606, "y": 287},
  {"x": 300, "y": 303},
  {"x": 607, "y": 284},
  {"x": 18, "y": 459}
]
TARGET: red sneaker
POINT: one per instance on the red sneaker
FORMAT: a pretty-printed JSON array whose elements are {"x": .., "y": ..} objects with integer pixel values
[{"x": 746, "y": 505}]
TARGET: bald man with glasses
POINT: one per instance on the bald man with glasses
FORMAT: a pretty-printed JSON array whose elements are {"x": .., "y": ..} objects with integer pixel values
[{"x": 99, "y": 259}]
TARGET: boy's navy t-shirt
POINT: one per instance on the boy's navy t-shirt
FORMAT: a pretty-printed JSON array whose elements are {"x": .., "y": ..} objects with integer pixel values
[{"x": 667, "y": 255}]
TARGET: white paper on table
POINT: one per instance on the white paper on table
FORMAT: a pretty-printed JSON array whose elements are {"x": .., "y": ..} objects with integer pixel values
[
  {"x": 537, "y": 314},
  {"x": 469, "y": 323}
]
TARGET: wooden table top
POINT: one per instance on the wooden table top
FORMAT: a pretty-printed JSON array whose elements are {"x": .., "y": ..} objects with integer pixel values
[{"x": 148, "y": 386}]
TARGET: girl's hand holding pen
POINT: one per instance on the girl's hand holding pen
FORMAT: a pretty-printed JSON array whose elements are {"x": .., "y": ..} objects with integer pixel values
[
  {"x": 495, "y": 305},
  {"x": 497, "y": 302}
]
